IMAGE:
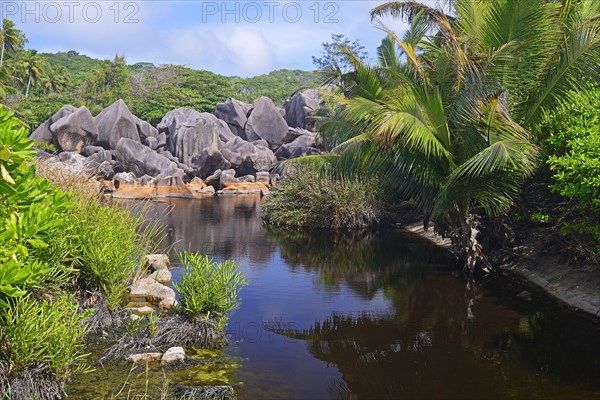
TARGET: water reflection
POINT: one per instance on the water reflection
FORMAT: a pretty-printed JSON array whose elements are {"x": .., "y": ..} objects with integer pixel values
[
  {"x": 378, "y": 315},
  {"x": 224, "y": 228}
]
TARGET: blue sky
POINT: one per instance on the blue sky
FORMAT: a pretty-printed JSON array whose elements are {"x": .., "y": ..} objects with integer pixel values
[{"x": 244, "y": 38}]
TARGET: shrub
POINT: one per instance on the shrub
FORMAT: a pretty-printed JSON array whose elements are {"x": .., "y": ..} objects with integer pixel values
[
  {"x": 310, "y": 198},
  {"x": 46, "y": 332},
  {"x": 31, "y": 212},
  {"x": 102, "y": 240},
  {"x": 209, "y": 287},
  {"x": 572, "y": 144}
]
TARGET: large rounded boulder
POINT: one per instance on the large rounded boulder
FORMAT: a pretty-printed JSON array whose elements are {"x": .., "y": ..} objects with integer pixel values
[
  {"x": 43, "y": 132},
  {"x": 190, "y": 132},
  {"x": 116, "y": 122},
  {"x": 300, "y": 108},
  {"x": 134, "y": 157},
  {"x": 247, "y": 158},
  {"x": 235, "y": 114},
  {"x": 74, "y": 131},
  {"x": 266, "y": 122}
]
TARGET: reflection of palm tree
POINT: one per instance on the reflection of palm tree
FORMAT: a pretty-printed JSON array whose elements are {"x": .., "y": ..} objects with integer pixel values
[
  {"x": 425, "y": 348},
  {"x": 366, "y": 262},
  {"x": 12, "y": 39}
]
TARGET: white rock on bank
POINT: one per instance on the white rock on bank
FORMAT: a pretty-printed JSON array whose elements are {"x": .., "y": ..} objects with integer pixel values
[
  {"x": 156, "y": 261},
  {"x": 162, "y": 276},
  {"x": 151, "y": 290},
  {"x": 144, "y": 358},
  {"x": 173, "y": 355}
]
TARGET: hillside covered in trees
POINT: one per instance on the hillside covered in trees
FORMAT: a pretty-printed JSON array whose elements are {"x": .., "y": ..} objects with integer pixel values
[{"x": 36, "y": 84}]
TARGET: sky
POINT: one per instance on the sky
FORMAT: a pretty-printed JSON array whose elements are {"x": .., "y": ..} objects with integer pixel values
[{"x": 243, "y": 38}]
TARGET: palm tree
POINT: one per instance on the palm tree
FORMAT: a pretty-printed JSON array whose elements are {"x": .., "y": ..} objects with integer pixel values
[
  {"x": 443, "y": 115},
  {"x": 536, "y": 50},
  {"x": 33, "y": 66},
  {"x": 55, "y": 80},
  {"x": 12, "y": 39},
  {"x": 5, "y": 87}
]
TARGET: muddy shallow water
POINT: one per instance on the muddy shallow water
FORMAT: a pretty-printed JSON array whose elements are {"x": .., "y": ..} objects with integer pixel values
[{"x": 379, "y": 315}]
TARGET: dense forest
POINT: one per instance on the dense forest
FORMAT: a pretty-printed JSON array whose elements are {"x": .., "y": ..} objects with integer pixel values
[{"x": 36, "y": 84}]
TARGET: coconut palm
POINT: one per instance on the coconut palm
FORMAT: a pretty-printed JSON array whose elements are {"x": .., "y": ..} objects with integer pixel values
[
  {"x": 5, "y": 87},
  {"x": 536, "y": 50},
  {"x": 55, "y": 80},
  {"x": 33, "y": 66},
  {"x": 442, "y": 117},
  {"x": 12, "y": 39}
]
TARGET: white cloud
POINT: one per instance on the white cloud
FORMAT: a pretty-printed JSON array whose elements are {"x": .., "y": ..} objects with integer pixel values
[{"x": 178, "y": 33}]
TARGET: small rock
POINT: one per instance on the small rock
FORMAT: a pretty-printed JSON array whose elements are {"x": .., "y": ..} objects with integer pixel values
[
  {"x": 143, "y": 358},
  {"x": 263, "y": 177},
  {"x": 138, "y": 304},
  {"x": 151, "y": 290},
  {"x": 145, "y": 310},
  {"x": 173, "y": 355},
  {"x": 91, "y": 150},
  {"x": 134, "y": 317},
  {"x": 156, "y": 261},
  {"x": 197, "y": 184},
  {"x": 167, "y": 304},
  {"x": 247, "y": 178},
  {"x": 525, "y": 295},
  {"x": 162, "y": 276}
]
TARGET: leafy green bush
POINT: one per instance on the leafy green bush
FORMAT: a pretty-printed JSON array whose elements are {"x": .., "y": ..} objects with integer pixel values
[
  {"x": 572, "y": 145},
  {"x": 48, "y": 332},
  {"x": 209, "y": 287},
  {"x": 310, "y": 198},
  {"x": 31, "y": 211}
]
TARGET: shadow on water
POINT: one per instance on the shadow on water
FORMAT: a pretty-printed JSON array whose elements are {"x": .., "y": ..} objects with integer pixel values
[{"x": 378, "y": 315}]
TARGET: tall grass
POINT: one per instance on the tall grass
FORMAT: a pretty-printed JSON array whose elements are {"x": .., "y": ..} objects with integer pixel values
[
  {"x": 208, "y": 287},
  {"x": 46, "y": 332},
  {"x": 311, "y": 198},
  {"x": 107, "y": 246},
  {"x": 103, "y": 241}
]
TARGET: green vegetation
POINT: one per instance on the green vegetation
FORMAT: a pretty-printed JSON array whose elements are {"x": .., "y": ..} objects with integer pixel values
[
  {"x": 312, "y": 198},
  {"x": 333, "y": 55},
  {"x": 444, "y": 118},
  {"x": 208, "y": 287},
  {"x": 75, "y": 66},
  {"x": 44, "y": 332},
  {"x": 105, "y": 83},
  {"x": 31, "y": 212},
  {"x": 105, "y": 246},
  {"x": 53, "y": 244},
  {"x": 572, "y": 150}
]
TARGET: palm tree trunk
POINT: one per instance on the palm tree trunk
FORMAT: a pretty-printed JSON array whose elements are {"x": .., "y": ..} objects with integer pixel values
[
  {"x": 28, "y": 84},
  {"x": 2, "y": 56}
]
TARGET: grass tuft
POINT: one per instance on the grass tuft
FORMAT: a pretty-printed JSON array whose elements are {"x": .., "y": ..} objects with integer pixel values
[{"x": 208, "y": 287}]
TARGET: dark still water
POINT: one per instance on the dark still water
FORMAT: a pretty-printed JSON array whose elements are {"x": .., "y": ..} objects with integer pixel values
[{"x": 376, "y": 316}]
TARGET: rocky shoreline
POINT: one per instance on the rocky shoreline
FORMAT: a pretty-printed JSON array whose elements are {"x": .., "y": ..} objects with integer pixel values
[{"x": 188, "y": 154}]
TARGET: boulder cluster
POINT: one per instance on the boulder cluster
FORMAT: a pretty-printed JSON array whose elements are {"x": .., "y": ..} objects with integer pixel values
[{"x": 189, "y": 153}]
